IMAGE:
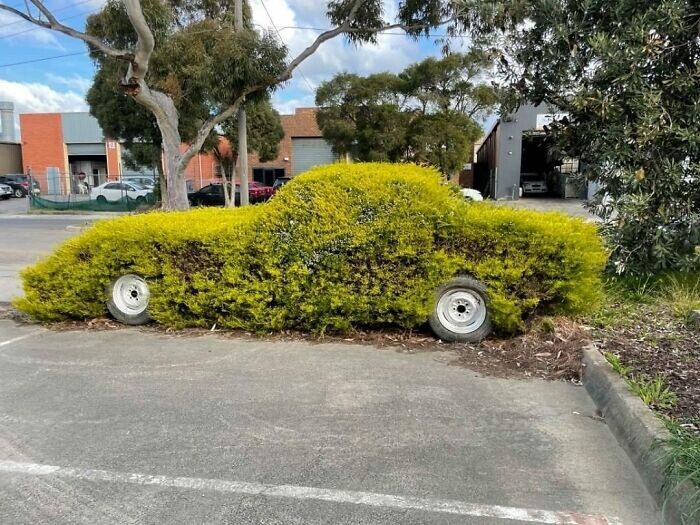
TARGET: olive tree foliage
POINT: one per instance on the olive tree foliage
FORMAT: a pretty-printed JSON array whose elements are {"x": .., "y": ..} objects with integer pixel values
[
  {"x": 426, "y": 114},
  {"x": 627, "y": 72},
  {"x": 190, "y": 54}
]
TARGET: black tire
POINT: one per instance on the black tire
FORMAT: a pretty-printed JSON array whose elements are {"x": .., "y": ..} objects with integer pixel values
[
  {"x": 19, "y": 193},
  {"x": 467, "y": 290},
  {"x": 101, "y": 199},
  {"x": 117, "y": 308}
]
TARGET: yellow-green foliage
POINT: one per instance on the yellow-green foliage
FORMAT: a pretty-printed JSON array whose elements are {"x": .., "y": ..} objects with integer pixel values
[{"x": 342, "y": 245}]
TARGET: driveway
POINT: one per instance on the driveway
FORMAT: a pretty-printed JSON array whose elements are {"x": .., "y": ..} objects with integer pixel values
[
  {"x": 573, "y": 207},
  {"x": 127, "y": 426}
]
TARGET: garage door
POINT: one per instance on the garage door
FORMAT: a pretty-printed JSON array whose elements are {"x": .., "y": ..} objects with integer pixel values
[{"x": 307, "y": 153}]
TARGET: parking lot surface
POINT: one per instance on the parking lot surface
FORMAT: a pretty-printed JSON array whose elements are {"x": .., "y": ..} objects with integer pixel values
[{"x": 137, "y": 426}]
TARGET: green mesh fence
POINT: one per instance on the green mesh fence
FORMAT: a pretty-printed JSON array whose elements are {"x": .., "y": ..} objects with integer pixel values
[{"x": 84, "y": 203}]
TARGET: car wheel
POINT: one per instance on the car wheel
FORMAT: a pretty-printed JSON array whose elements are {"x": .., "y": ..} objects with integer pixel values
[
  {"x": 19, "y": 193},
  {"x": 140, "y": 201},
  {"x": 461, "y": 311},
  {"x": 101, "y": 199},
  {"x": 128, "y": 300}
]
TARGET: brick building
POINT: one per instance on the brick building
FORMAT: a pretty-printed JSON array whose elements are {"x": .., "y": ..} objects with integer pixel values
[{"x": 57, "y": 147}]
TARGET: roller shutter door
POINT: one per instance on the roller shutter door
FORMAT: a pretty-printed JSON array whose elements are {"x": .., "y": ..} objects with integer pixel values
[{"x": 307, "y": 153}]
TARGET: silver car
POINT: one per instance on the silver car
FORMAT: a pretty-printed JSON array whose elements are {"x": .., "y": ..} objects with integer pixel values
[{"x": 5, "y": 192}]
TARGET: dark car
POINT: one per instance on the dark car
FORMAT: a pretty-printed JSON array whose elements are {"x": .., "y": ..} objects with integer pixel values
[
  {"x": 211, "y": 195},
  {"x": 279, "y": 182},
  {"x": 20, "y": 184}
]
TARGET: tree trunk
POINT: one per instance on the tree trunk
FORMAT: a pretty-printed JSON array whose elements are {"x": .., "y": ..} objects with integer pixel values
[{"x": 174, "y": 170}]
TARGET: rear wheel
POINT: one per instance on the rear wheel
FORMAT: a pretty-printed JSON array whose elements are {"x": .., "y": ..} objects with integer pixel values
[
  {"x": 129, "y": 296},
  {"x": 461, "y": 311},
  {"x": 19, "y": 193}
]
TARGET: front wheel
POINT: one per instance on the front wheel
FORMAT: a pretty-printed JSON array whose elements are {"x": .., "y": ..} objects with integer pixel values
[
  {"x": 128, "y": 300},
  {"x": 101, "y": 199},
  {"x": 461, "y": 311},
  {"x": 19, "y": 193}
]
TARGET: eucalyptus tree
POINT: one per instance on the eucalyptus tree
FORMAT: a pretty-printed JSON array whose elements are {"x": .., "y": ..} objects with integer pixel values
[{"x": 191, "y": 52}]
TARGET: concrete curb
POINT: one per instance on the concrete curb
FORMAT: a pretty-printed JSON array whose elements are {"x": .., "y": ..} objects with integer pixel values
[{"x": 637, "y": 431}]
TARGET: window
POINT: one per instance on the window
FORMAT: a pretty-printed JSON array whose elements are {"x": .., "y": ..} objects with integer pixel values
[
  {"x": 217, "y": 170},
  {"x": 113, "y": 186},
  {"x": 267, "y": 176}
]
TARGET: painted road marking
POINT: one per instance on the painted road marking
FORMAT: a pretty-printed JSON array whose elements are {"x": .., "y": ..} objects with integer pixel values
[
  {"x": 310, "y": 493},
  {"x": 19, "y": 338}
]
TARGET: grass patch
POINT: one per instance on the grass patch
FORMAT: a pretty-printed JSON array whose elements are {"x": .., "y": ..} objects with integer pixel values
[
  {"x": 682, "y": 463},
  {"x": 654, "y": 392}
]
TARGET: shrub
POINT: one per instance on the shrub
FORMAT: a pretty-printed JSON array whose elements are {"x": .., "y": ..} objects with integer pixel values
[{"x": 340, "y": 246}]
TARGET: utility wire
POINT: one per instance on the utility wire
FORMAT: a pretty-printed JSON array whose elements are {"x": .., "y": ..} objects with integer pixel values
[
  {"x": 208, "y": 31},
  {"x": 37, "y": 28},
  {"x": 283, "y": 43},
  {"x": 43, "y": 59},
  {"x": 22, "y": 21}
]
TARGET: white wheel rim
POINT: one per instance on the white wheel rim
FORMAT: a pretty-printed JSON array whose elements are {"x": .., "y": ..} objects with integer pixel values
[
  {"x": 461, "y": 311},
  {"x": 130, "y": 294}
]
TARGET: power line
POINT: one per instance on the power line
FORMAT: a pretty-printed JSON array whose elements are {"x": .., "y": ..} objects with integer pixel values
[
  {"x": 37, "y": 28},
  {"x": 207, "y": 31},
  {"x": 282, "y": 40},
  {"x": 43, "y": 59},
  {"x": 22, "y": 21}
]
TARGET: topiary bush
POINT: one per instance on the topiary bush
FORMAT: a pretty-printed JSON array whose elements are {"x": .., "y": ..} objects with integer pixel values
[{"x": 343, "y": 245}]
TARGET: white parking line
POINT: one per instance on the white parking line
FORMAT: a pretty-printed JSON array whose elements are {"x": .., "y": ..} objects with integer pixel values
[
  {"x": 19, "y": 338},
  {"x": 310, "y": 493}
]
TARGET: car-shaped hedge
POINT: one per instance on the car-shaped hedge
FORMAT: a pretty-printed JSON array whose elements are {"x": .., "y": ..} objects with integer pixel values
[{"x": 342, "y": 246}]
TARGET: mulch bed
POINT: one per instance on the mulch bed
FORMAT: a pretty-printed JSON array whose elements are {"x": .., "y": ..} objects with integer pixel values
[
  {"x": 549, "y": 350},
  {"x": 654, "y": 343}
]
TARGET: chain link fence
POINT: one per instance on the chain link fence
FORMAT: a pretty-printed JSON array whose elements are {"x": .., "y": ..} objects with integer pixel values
[{"x": 54, "y": 190}]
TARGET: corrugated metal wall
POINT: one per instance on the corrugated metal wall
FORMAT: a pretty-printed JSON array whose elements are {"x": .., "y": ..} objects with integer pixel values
[
  {"x": 80, "y": 128},
  {"x": 310, "y": 152}
]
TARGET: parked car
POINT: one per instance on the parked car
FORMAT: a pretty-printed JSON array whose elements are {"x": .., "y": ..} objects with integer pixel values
[
  {"x": 258, "y": 192},
  {"x": 347, "y": 245},
  {"x": 211, "y": 195},
  {"x": 20, "y": 184},
  {"x": 5, "y": 191},
  {"x": 144, "y": 180},
  {"x": 116, "y": 191},
  {"x": 534, "y": 183},
  {"x": 472, "y": 194},
  {"x": 279, "y": 182}
]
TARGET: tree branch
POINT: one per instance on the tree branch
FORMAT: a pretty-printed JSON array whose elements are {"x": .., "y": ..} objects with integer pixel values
[
  {"x": 53, "y": 24},
  {"x": 145, "y": 43},
  {"x": 343, "y": 28}
]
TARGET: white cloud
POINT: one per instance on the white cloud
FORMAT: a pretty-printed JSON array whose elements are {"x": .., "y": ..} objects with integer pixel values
[
  {"x": 391, "y": 53},
  {"x": 32, "y": 97},
  {"x": 14, "y": 31},
  {"x": 75, "y": 82}
]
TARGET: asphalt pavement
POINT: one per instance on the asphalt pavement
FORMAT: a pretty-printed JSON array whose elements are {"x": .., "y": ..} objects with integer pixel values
[
  {"x": 25, "y": 239},
  {"x": 137, "y": 426}
]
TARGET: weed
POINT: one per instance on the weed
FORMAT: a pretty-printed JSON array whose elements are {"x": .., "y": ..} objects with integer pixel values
[
  {"x": 617, "y": 365},
  {"x": 682, "y": 463},
  {"x": 654, "y": 392},
  {"x": 682, "y": 296}
]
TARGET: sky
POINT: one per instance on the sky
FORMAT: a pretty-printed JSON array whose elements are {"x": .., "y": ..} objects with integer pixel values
[{"x": 51, "y": 84}]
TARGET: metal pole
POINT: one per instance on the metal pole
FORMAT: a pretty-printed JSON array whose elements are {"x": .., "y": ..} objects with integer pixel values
[{"x": 242, "y": 129}]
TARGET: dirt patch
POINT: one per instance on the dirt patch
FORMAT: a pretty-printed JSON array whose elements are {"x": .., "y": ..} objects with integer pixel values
[
  {"x": 653, "y": 343},
  {"x": 550, "y": 349}
]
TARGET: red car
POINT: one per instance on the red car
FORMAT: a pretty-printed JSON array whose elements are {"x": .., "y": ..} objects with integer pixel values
[{"x": 258, "y": 192}]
